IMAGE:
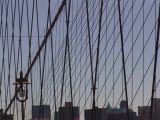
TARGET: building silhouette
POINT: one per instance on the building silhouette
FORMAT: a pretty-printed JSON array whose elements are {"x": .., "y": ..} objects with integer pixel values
[
  {"x": 144, "y": 111},
  {"x": 100, "y": 114},
  {"x": 120, "y": 113},
  {"x": 41, "y": 112},
  {"x": 68, "y": 112},
  {"x": 5, "y": 117},
  {"x": 110, "y": 113}
]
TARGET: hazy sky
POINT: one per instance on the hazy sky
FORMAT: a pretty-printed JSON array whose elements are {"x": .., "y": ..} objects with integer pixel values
[{"x": 110, "y": 62}]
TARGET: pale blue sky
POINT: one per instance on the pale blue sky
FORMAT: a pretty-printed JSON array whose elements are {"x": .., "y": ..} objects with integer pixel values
[{"x": 80, "y": 59}]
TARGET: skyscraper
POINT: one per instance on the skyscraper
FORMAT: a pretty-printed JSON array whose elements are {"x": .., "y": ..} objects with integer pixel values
[
  {"x": 42, "y": 112},
  {"x": 68, "y": 112}
]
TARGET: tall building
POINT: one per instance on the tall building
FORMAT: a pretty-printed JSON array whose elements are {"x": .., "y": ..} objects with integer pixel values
[
  {"x": 5, "y": 117},
  {"x": 42, "y": 112},
  {"x": 144, "y": 111},
  {"x": 68, "y": 112}
]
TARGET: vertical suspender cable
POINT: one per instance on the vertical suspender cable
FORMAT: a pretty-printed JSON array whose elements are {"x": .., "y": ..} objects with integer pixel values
[
  {"x": 114, "y": 26},
  {"x": 68, "y": 46},
  {"x": 155, "y": 67},
  {"x": 3, "y": 47},
  {"x": 20, "y": 48},
  {"x": 63, "y": 73},
  {"x": 90, "y": 51},
  {"x": 114, "y": 20},
  {"x": 64, "y": 67},
  {"x": 86, "y": 58},
  {"x": 30, "y": 38},
  {"x": 81, "y": 38},
  {"x": 7, "y": 48},
  {"x": 155, "y": 12},
  {"x": 53, "y": 69},
  {"x": 143, "y": 57},
  {"x": 132, "y": 54},
  {"x": 39, "y": 56},
  {"x": 40, "y": 48},
  {"x": 89, "y": 38},
  {"x": 29, "y": 50},
  {"x": 123, "y": 59},
  {"x": 10, "y": 51},
  {"x": 97, "y": 57},
  {"x": 5, "y": 40},
  {"x": 20, "y": 12},
  {"x": 13, "y": 11},
  {"x": 44, "y": 60},
  {"x": 54, "y": 83},
  {"x": 122, "y": 62},
  {"x": 106, "y": 49}
]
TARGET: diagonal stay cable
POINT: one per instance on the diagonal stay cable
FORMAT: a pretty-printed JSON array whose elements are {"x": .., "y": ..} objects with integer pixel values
[
  {"x": 140, "y": 57},
  {"x": 137, "y": 63},
  {"x": 139, "y": 32},
  {"x": 41, "y": 47}
]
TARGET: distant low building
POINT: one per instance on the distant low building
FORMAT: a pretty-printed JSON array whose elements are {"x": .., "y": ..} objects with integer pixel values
[
  {"x": 4, "y": 116},
  {"x": 100, "y": 114},
  {"x": 68, "y": 112},
  {"x": 111, "y": 113},
  {"x": 120, "y": 113},
  {"x": 144, "y": 111},
  {"x": 42, "y": 112}
]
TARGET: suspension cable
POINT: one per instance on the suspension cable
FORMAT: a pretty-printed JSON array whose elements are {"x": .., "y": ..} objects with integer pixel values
[
  {"x": 123, "y": 59},
  {"x": 155, "y": 67},
  {"x": 40, "y": 48},
  {"x": 89, "y": 38}
]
